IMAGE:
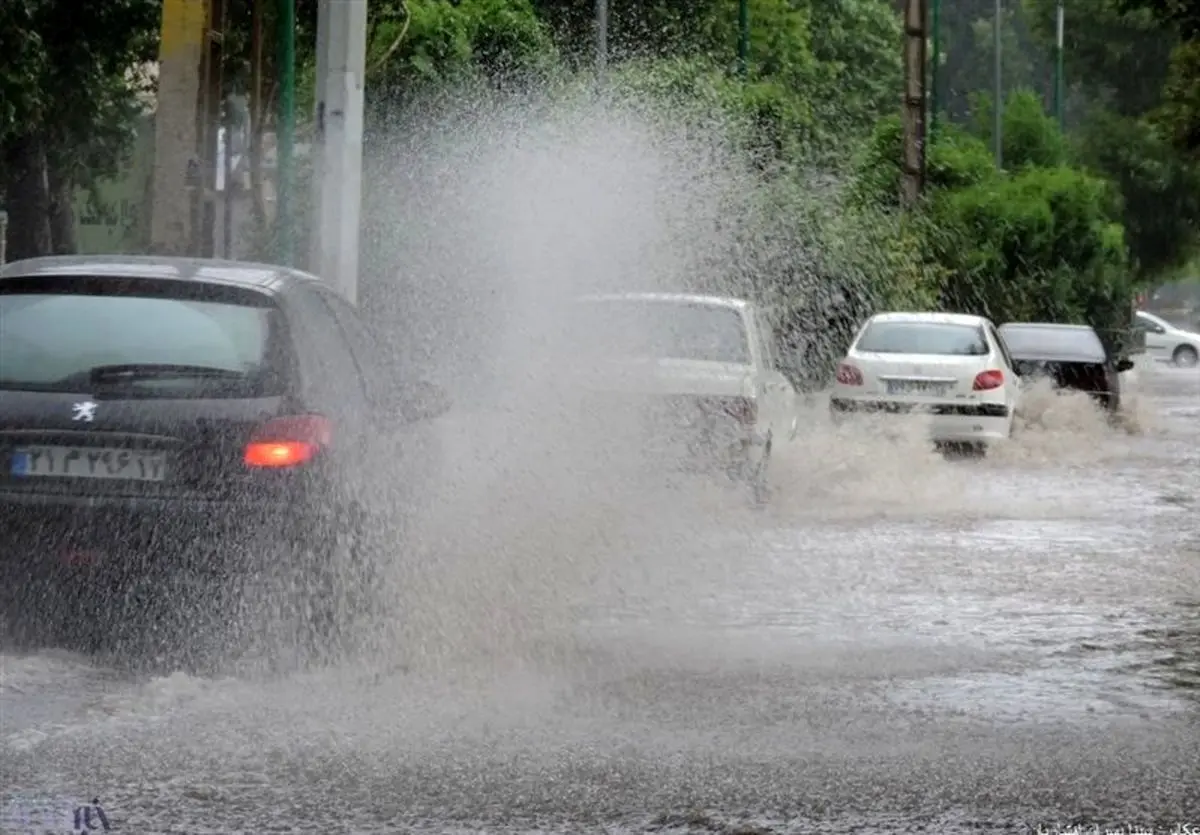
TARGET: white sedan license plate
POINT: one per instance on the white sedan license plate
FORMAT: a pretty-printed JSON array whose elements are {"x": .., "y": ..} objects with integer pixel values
[
  {"x": 88, "y": 462},
  {"x": 916, "y": 387}
]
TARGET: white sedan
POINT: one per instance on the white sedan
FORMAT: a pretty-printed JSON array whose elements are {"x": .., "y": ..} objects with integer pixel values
[
  {"x": 1167, "y": 343},
  {"x": 952, "y": 367},
  {"x": 702, "y": 370}
]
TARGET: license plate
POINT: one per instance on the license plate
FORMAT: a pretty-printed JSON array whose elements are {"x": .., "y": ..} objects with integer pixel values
[
  {"x": 916, "y": 387},
  {"x": 88, "y": 462}
]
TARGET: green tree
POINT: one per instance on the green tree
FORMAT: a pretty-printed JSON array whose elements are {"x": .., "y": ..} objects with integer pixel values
[
  {"x": 1038, "y": 245},
  {"x": 1180, "y": 107},
  {"x": 75, "y": 98},
  {"x": 838, "y": 61},
  {"x": 857, "y": 46},
  {"x": 1040, "y": 240},
  {"x": 1124, "y": 61},
  {"x": 968, "y": 55},
  {"x": 420, "y": 44},
  {"x": 1160, "y": 190},
  {"x": 1115, "y": 55}
]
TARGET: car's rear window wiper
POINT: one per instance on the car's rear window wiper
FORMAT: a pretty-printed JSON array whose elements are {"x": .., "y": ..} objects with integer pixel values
[{"x": 132, "y": 372}]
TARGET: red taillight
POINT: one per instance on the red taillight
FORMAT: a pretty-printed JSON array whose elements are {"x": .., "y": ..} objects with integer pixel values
[
  {"x": 742, "y": 409},
  {"x": 288, "y": 441},
  {"x": 848, "y": 375},
  {"x": 987, "y": 380}
]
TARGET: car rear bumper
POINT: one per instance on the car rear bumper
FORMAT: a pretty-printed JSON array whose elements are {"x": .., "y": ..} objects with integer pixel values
[
  {"x": 947, "y": 422},
  {"x": 721, "y": 453},
  {"x": 41, "y": 536}
]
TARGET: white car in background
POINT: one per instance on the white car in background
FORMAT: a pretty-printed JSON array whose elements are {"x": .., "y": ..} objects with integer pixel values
[
  {"x": 1167, "y": 343},
  {"x": 952, "y": 367},
  {"x": 700, "y": 371}
]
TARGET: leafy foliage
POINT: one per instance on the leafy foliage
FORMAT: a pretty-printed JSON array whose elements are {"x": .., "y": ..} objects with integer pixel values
[
  {"x": 1134, "y": 106},
  {"x": 1029, "y": 138},
  {"x": 439, "y": 43},
  {"x": 1061, "y": 233},
  {"x": 69, "y": 105},
  {"x": 26, "y": 59},
  {"x": 1038, "y": 241},
  {"x": 1160, "y": 191},
  {"x": 1116, "y": 54},
  {"x": 1180, "y": 112}
]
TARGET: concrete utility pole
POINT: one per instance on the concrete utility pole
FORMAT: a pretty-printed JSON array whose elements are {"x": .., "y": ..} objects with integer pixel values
[
  {"x": 341, "y": 59},
  {"x": 184, "y": 134},
  {"x": 915, "y": 17},
  {"x": 285, "y": 131}
]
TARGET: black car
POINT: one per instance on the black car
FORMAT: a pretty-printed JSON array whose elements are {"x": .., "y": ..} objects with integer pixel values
[
  {"x": 162, "y": 417},
  {"x": 1071, "y": 355}
]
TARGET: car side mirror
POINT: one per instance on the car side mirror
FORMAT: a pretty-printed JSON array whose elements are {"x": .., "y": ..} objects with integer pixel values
[{"x": 1124, "y": 364}]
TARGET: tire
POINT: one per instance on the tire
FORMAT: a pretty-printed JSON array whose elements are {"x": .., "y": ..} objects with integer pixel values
[
  {"x": 961, "y": 450},
  {"x": 337, "y": 580},
  {"x": 760, "y": 489},
  {"x": 1185, "y": 356}
]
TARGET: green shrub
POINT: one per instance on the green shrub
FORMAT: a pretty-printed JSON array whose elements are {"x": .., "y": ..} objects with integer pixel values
[{"x": 1038, "y": 245}]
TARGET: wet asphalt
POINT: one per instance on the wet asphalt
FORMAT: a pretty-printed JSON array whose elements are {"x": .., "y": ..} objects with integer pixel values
[{"x": 899, "y": 643}]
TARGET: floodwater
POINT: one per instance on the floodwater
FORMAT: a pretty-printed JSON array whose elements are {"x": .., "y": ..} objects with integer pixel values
[{"x": 899, "y": 643}]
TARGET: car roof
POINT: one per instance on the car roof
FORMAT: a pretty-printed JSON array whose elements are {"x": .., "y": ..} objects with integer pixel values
[
  {"x": 1055, "y": 326},
  {"x": 266, "y": 277},
  {"x": 930, "y": 318},
  {"x": 685, "y": 298},
  {"x": 1089, "y": 349}
]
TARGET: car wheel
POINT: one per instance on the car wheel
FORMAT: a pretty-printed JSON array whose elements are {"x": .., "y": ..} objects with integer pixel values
[
  {"x": 961, "y": 450},
  {"x": 760, "y": 489},
  {"x": 336, "y": 583},
  {"x": 1185, "y": 356}
]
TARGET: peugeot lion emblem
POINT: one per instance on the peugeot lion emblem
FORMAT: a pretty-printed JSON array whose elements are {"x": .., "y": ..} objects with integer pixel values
[{"x": 85, "y": 411}]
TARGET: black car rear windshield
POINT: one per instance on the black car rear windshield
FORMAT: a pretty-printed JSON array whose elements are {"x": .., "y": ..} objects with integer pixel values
[
  {"x": 154, "y": 345},
  {"x": 926, "y": 338},
  {"x": 1031, "y": 341}
]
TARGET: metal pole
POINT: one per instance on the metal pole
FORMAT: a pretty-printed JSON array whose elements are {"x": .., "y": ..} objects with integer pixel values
[
  {"x": 285, "y": 131},
  {"x": 998, "y": 104},
  {"x": 743, "y": 36},
  {"x": 337, "y": 163},
  {"x": 227, "y": 181},
  {"x": 601, "y": 37},
  {"x": 1059, "y": 98},
  {"x": 3, "y": 233},
  {"x": 935, "y": 66}
]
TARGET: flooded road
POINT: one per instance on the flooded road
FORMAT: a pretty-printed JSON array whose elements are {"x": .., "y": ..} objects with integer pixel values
[{"x": 898, "y": 641}]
